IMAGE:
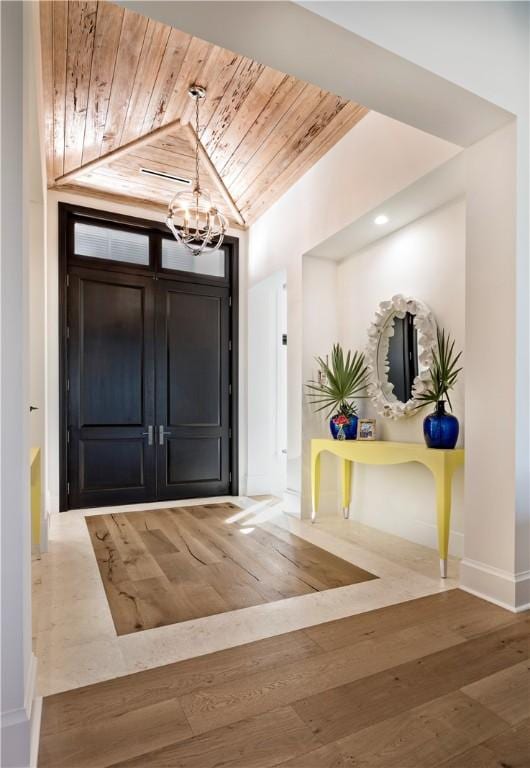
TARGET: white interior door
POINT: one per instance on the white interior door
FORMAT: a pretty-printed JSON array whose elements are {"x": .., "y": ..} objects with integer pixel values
[
  {"x": 267, "y": 386},
  {"x": 281, "y": 388}
]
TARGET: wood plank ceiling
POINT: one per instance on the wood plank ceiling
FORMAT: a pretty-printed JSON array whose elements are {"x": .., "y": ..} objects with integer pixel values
[{"x": 115, "y": 98}]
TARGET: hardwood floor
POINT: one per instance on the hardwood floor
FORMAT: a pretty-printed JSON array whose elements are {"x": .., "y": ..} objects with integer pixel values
[
  {"x": 164, "y": 566},
  {"x": 438, "y": 681}
]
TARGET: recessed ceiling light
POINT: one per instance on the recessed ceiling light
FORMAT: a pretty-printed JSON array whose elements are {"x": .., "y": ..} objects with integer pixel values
[{"x": 381, "y": 219}]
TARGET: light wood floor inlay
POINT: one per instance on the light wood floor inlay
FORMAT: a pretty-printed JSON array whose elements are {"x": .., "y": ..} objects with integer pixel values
[
  {"x": 164, "y": 566},
  {"x": 439, "y": 681}
]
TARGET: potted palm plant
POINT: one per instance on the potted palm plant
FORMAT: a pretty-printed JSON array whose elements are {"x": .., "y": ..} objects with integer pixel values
[
  {"x": 341, "y": 380},
  {"x": 440, "y": 429}
]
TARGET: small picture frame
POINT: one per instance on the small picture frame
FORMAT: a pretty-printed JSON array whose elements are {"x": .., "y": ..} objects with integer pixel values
[{"x": 366, "y": 429}]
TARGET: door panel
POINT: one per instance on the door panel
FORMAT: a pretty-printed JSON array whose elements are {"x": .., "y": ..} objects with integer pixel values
[
  {"x": 193, "y": 327},
  {"x": 111, "y": 462},
  {"x": 111, "y": 381},
  {"x": 193, "y": 460},
  {"x": 192, "y": 358},
  {"x": 112, "y": 340}
]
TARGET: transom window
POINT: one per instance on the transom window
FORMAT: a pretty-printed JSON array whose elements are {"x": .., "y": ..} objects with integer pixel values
[
  {"x": 177, "y": 256},
  {"x": 110, "y": 244}
]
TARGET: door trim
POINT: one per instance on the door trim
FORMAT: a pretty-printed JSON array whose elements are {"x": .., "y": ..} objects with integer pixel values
[{"x": 69, "y": 211}]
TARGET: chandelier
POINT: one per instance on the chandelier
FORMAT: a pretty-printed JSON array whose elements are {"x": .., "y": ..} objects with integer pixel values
[{"x": 191, "y": 216}]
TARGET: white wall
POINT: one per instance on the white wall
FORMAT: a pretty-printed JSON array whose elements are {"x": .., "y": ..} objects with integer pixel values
[
  {"x": 320, "y": 330},
  {"x": 18, "y": 662},
  {"x": 376, "y": 159},
  {"x": 37, "y": 338},
  {"x": 52, "y": 329},
  {"x": 482, "y": 46},
  {"x": 36, "y": 233},
  {"x": 497, "y": 531},
  {"x": 425, "y": 260}
]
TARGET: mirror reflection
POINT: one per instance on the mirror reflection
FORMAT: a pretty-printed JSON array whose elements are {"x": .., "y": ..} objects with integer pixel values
[
  {"x": 403, "y": 356},
  {"x": 398, "y": 354}
]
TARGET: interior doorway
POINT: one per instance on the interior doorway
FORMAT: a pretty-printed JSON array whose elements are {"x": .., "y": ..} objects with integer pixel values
[{"x": 149, "y": 375}]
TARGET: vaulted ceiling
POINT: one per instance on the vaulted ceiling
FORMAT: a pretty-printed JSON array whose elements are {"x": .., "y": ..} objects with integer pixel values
[{"x": 116, "y": 104}]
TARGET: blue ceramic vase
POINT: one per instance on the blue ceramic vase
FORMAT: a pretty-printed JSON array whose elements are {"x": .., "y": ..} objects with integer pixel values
[
  {"x": 440, "y": 429},
  {"x": 346, "y": 431}
]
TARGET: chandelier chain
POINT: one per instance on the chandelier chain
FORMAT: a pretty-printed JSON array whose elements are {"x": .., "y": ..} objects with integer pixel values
[
  {"x": 197, "y": 183},
  {"x": 192, "y": 218}
]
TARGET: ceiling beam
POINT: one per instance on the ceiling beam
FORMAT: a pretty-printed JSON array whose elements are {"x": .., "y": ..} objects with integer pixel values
[
  {"x": 147, "y": 138},
  {"x": 121, "y": 199},
  {"x": 204, "y": 156}
]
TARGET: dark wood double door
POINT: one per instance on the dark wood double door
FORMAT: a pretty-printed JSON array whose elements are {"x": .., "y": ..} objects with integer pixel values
[{"x": 148, "y": 385}]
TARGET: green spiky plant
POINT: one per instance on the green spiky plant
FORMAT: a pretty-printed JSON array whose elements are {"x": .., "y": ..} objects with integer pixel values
[
  {"x": 443, "y": 371},
  {"x": 345, "y": 378}
]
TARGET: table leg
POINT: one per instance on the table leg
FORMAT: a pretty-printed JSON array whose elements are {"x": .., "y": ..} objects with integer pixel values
[
  {"x": 315, "y": 485},
  {"x": 347, "y": 467},
  {"x": 443, "y": 513}
]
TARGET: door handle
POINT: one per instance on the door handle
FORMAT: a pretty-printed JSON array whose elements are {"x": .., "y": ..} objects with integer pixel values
[
  {"x": 162, "y": 434},
  {"x": 149, "y": 434}
]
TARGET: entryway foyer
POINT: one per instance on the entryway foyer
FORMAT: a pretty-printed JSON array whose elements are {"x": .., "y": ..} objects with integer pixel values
[{"x": 264, "y": 384}]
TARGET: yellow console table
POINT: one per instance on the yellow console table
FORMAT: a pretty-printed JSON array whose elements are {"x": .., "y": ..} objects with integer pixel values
[{"x": 442, "y": 464}]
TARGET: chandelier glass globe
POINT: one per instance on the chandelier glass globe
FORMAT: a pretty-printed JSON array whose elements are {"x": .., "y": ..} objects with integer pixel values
[
  {"x": 191, "y": 217},
  {"x": 195, "y": 222}
]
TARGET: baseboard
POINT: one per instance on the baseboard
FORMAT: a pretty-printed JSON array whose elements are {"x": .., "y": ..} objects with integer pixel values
[
  {"x": 36, "y": 716},
  {"x": 33, "y": 705},
  {"x": 507, "y": 590},
  {"x": 31, "y": 685},
  {"x": 21, "y": 727}
]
